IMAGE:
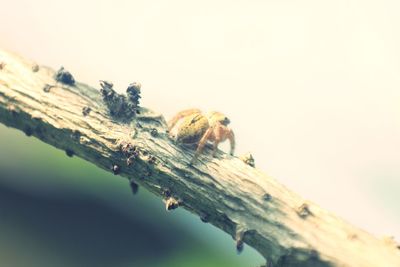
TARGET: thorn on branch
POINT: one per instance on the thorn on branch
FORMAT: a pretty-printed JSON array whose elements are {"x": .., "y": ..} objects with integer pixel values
[
  {"x": 13, "y": 110},
  {"x": 352, "y": 236},
  {"x": 154, "y": 132},
  {"x": 64, "y": 76},
  {"x": 128, "y": 149},
  {"x": 70, "y": 153},
  {"x": 166, "y": 192},
  {"x": 133, "y": 93},
  {"x": 28, "y": 131},
  {"x": 75, "y": 135},
  {"x": 115, "y": 169},
  {"x": 239, "y": 241},
  {"x": 40, "y": 130},
  {"x": 151, "y": 159},
  {"x": 269, "y": 263},
  {"x": 47, "y": 87},
  {"x": 304, "y": 211},
  {"x": 239, "y": 246},
  {"x": 133, "y": 134},
  {"x": 83, "y": 140},
  {"x": 171, "y": 204},
  {"x": 130, "y": 160},
  {"x": 314, "y": 254},
  {"x": 86, "y": 110},
  {"x": 134, "y": 186},
  {"x": 267, "y": 197},
  {"x": 147, "y": 172},
  {"x": 35, "y": 67},
  {"x": 248, "y": 159},
  {"x": 36, "y": 115},
  {"x": 204, "y": 217}
]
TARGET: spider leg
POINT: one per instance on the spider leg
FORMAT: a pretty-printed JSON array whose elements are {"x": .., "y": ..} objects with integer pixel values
[
  {"x": 215, "y": 147},
  {"x": 231, "y": 137},
  {"x": 181, "y": 115},
  {"x": 219, "y": 135},
  {"x": 202, "y": 143}
]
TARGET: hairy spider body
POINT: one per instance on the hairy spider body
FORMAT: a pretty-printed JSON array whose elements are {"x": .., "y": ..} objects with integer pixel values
[{"x": 193, "y": 127}]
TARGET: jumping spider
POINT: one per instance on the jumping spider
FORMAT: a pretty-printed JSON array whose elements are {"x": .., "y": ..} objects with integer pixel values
[{"x": 193, "y": 127}]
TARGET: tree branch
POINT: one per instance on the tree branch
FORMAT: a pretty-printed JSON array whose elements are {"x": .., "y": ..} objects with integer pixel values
[{"x": 224, "y": 191}]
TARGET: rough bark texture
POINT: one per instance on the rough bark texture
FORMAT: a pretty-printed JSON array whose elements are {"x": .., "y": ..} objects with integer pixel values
[{"x": 237, "y": 198}]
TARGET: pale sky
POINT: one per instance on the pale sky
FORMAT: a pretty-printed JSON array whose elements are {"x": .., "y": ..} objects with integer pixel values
[{"x": 311, "y": 87}]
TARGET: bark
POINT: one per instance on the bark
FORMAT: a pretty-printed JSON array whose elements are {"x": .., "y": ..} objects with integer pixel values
[{"x": 224, "y": 191}]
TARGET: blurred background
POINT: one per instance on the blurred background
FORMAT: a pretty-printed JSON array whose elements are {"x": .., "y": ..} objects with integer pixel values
[{"x": 311, "y": 88}]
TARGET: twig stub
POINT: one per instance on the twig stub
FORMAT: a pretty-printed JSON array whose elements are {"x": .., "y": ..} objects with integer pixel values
[{"x": 64, "y": 76}]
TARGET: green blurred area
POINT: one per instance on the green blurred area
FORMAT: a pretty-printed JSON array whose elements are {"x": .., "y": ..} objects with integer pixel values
[{"x": 61, "y": 211}]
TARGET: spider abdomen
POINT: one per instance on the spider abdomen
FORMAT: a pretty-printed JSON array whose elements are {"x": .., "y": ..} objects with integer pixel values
[{"x": 192, "y": 128}]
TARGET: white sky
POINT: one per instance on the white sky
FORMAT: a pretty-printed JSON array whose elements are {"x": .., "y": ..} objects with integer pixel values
[{"x": 311, "y": 87}]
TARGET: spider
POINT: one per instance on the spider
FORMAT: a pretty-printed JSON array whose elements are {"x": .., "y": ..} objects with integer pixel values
[{"x": 193, "y": 127}]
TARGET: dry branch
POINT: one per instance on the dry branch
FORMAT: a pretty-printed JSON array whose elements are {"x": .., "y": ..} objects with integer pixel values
[{"x": 237, "y": 198}]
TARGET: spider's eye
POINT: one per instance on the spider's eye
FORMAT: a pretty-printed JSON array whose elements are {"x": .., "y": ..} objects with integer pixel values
[{"x": 226, "y": 121}]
